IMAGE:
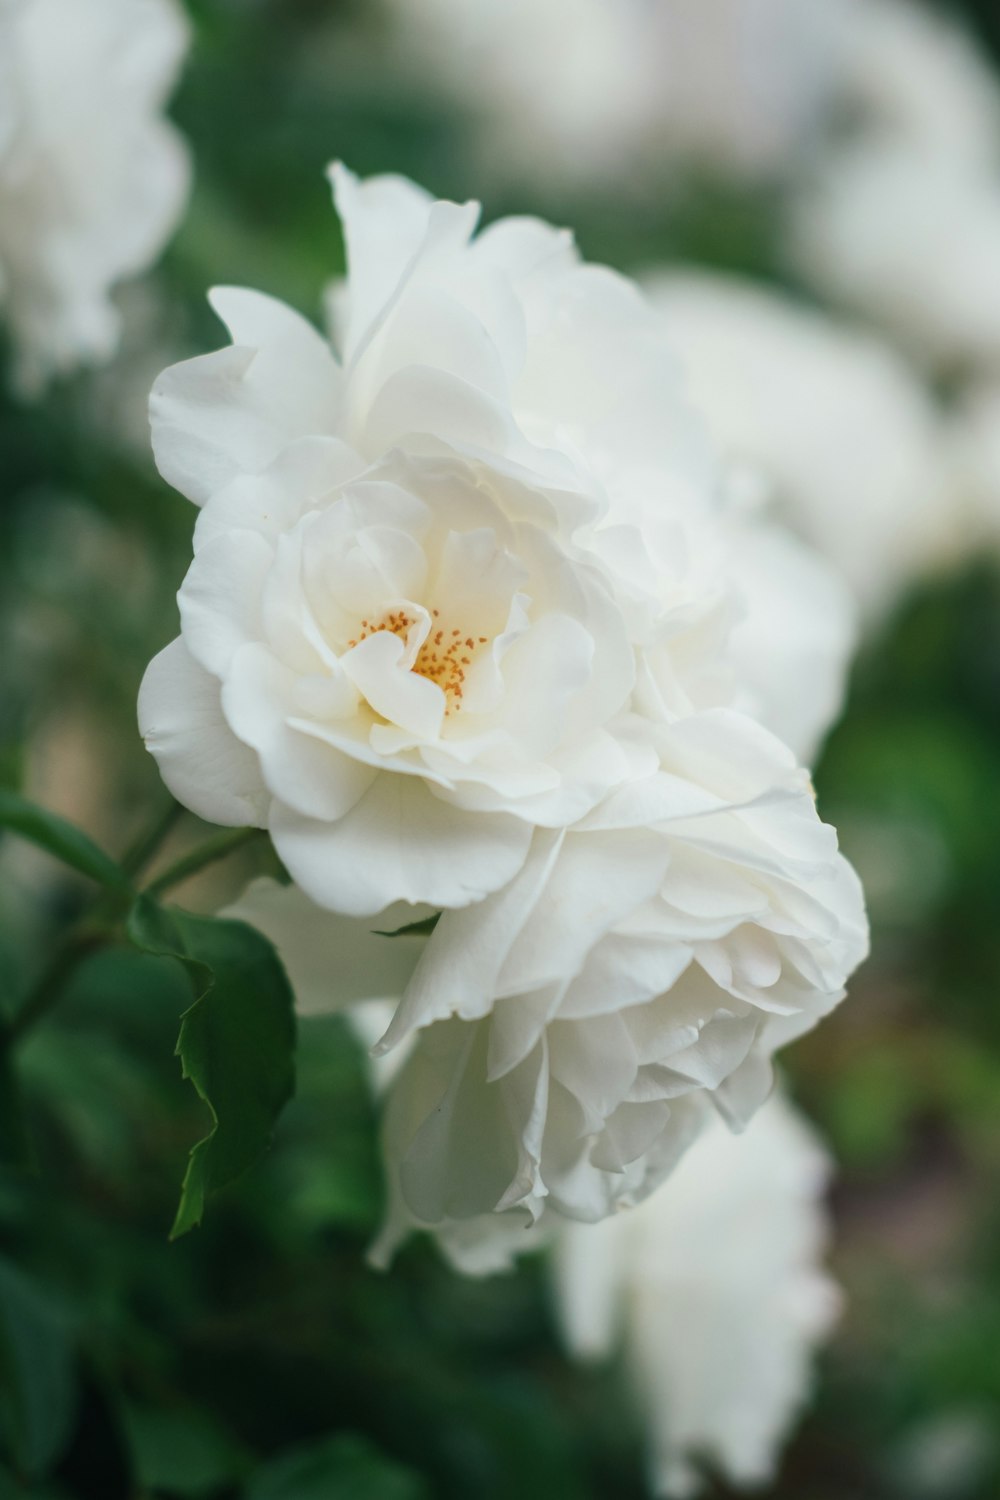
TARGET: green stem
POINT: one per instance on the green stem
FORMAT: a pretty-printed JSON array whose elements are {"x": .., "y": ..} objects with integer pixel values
[
  {"x": 94, "y": 929},
  {"x": 99, "y": 925},
  {"x": 208, "y": 853},
  {"x": 137, "y": 855}
]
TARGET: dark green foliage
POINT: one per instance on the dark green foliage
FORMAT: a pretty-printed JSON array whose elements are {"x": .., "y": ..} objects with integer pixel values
[{"x": 37, "y": 1378}]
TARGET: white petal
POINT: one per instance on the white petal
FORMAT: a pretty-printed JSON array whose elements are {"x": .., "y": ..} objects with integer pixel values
[
  {"x": 259, "y": 698},
  {"x": 399, "y": 843},
  {"x": 272, "y": 501},
  {"x": 202, "y": 762},
  {"x": 794, "y": 644},
  {"x": 220, "y": 598},
  {"x": 459, "y": 972},
  {"x": 377, "y": 669},
  {"x": 384, "y": 221},
  {"x": 232, "y": 412}
]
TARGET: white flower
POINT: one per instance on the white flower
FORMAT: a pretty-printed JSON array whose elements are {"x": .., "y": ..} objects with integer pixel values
[
  {"x": 640, "y": 971},
  {"x": 567, "y": 1038},
  {"x": 749, "y": 89},
  {"x": 587, "y": 88},
  {"x": 716, "y": 1290},
  {"x": 917, "y": 77},
  {"x": 92, "y": 177},
  {"x": 445, "y": 583},
  {"x": 840, "y": 425},
  {"x": 901, "y": 223},
  {"x": 911, "y": 242},
  {"x": 555, "y": 85},
  {"x": 462, "y": 630},
  {"x": 745, "y": 86}
]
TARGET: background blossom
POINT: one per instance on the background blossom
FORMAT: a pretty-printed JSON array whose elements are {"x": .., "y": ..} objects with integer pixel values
[
  {"x": 850, "y": 442},
  {"x": 716, "y": 1290},
  {"x": 93, "y": 178}
]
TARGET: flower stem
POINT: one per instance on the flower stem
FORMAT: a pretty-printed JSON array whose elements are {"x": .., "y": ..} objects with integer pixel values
[
  {"x": 208, "y": 853},
  {"x": 137, "y": 855},
  {"x": 93, "y": 930}
]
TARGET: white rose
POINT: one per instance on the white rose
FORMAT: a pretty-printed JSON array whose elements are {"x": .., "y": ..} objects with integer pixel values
[
  {"x": 716, "y": 1290},
  {"x": 444, "y": 583},
  {"x": 92, "y": 177},
  {"x": 642, "y": 968},
  {"x": 846, "y": 433},
  {"x": 567, "y": 1038}
]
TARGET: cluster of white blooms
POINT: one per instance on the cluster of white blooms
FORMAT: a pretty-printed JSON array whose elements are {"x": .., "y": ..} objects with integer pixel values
[
  {"x": 92, "y": 176},
  {"x": 462, "y": 631},
  {"x": 716, "y": 1291}
]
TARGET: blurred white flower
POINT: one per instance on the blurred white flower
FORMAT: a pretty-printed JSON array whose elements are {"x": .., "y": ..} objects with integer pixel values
[
  {"x": 900, "y": 222},
  {"x": 843, "y": 429},
  {"x": 911, "y": 242},
  {"x": 92, "y": 176},
  {"x": 916, "y": 77},
  {"x": 716, "y": 1291},
  {"x": 585, "y": 88},
  {"x": 793, "y": 644},
  {"x": 753, "y": 88},
  {"x": 446, "y": 585},
  {"x": 555, "y": 85},
  {"x": 743, "y": 86}
]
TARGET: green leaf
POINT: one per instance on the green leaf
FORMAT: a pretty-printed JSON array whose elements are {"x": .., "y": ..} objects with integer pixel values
[
  {"x": 38, "y": 1385},
  {"x": 423, "y": 928},
  {"x": 61, "y": 839},
  {"x": 236, "y": 1045},
  {"x": 344, "y": 1467}
]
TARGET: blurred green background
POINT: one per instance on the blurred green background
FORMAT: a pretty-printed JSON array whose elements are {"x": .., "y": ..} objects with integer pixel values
[{"x": 257, "y": 1357}]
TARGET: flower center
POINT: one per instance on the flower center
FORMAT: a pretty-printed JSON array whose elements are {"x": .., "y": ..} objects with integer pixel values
[{"x": 444, "y": 655}]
